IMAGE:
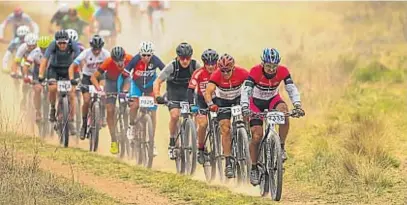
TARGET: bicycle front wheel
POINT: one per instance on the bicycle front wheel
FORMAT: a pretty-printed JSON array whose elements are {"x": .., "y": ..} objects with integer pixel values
[
  {"x": 64, "y": 124},
  {"x": 189, "y": 147},
  {"x": 276, "y": 172},
  {"x": 243, "y": 156},
  {"x": 95, "y": 127}
]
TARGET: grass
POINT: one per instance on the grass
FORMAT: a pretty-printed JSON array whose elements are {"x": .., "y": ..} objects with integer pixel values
[{"x": 23, "y": 182}]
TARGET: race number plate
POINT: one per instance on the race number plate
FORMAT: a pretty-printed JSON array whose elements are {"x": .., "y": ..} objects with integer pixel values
[
  {"x": 64, "y": 86},
  {"x": 184, "y": 107},
  {"x": 276, "y": 118},
  {"x": 236, "y": 110},
  {"x": 146, "y": 101}
]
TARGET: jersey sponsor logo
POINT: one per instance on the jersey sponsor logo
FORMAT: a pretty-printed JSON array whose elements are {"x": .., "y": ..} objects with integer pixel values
[
  {"x": 228, "y": 93},
  {"x": 148, "y": 73},
  {"x": 264, "y": 94}
]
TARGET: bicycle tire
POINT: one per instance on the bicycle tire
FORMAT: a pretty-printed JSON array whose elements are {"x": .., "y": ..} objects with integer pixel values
[
  {"x": 149, "y": 141},
  {"x": 210, "y": 169},
  {"x": 190, "y": 147},
  {"x": 243, "y": 155},
  {"x": 65, "y": 121},
  {"x": 124, "y": 148},
  {"x": 96, "y": 119},
  {"x": 218, "y": 153},
  {"x": 264, "y": 175},
  {"x": 44, "y": 126},
  {"x": 276, "y": 185},
  {"x": 179, "y": 164},
  {"x": 78, "y": 114}
]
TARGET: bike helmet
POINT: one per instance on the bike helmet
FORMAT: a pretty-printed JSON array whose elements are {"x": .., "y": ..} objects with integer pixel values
[
  {"x": 210, "y": 57},
  {"x": 97, "y": 42},
  {"x": 117, "y": 53},
  {"x": 18, "y": 12},
  {"x": 73, "y": 35},
  {"x": 271, "y": 55},
  {"x": 61, "y": 35},
  {"x": 146, "y": 47},
  {"x": 63, "y": 8},
  {"x": 31, "y": 39},
  {"x": 22, "y": 31},
  {"x": 226, "y": 61},
  {"x": 184, "y": 50},
  {"x": 44, "y": 41}
]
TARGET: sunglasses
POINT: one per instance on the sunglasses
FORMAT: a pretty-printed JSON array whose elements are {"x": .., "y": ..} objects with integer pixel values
[
  {"x": 270, "y": 66},
  {"x": 210, "y": 63},
  {"x": 184, "y": 58},
  {"x": 96, "y": 49},
  {"x": 62, "y": 42},
  {"x": 146, "y": 55},
  {"x": 225, "y": 70}
]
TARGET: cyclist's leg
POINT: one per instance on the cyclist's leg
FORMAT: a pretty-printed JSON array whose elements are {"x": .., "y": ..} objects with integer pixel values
[
  {"x": 86, "y": 101},
  {"x": 135, "y": 92},
  {"x": 225, "y": 127},
  {"x": 202, "y": 122},
  {"x": 102, "y": 82},
  {"x": 37, "y": 94},
  {"x": 52, "y": 92},
  {"x": 111, "y": 87}
]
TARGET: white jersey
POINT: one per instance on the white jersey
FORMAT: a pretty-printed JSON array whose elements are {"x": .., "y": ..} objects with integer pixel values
[
  {"x": 35, "y": 57},
  {"x": 22, "y": 51},
  {"x": 91, "y": 62}
]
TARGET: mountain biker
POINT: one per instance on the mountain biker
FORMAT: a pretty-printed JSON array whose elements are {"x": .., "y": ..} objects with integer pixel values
[
  {"x": 73, "y": 36},
  {"x": 260, "y": 92},
  {"x": 144, "y": 66},
  {"x": 35, "y": 58},
  {"x": 112, "y": 68},
  {"x": 225, "y": 83},
  {"x": 177, "y": 74},
  {"x": 72, "y": 21},
  {"x": 106, "y": 18},
  {"x": 30, "y": 43},
  {"x": 91, "y": 58},
  {"x": 15, "y": 43},
  {"x": 18, "y": 18},
  {"x": 85, "y": 10},
  {"x": 58, "y": 16},
  {"x": 63, "y": 52},
  {"x": 156, "y": 6},
  {"x": 198, "y": 82}
]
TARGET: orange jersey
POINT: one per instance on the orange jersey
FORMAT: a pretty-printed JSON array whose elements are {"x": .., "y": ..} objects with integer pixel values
[{"x": 111, "y": 69}]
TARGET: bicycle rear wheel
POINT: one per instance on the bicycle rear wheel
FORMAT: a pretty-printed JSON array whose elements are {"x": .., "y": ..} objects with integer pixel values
[
  {"x": 276, "y": 173},
  {"x": 95, "y": 127},
  {"x": 189, "y": 147}
]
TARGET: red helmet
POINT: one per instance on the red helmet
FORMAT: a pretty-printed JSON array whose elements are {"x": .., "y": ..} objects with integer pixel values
[
  {"x": 103, "y": 3},
  {"x": 18, "y": 11},
  {"x": 226, "y": 61}
]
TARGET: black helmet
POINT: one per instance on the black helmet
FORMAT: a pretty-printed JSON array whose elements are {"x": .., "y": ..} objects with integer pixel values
[
  {"x": 117, "y": 53},
  {"x": 97, "y": 42},
  {"x": 61, "y": 35},
  {"x": 210, "y": 56},
  {"x": 184, "y": 49}
]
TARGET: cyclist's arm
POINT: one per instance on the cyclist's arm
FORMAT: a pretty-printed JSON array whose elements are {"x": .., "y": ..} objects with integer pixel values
[
  {"x": 94, "y": 78},
  {"x": 19, "y": 56},
  {"x": 75, "y": 65},
  {"x": 163, "y": 76},
  {"x": 5, "y": 58},
  {"x": 193, "y": 83},
  {"x": 247, "y": 90},
  {"x": 4, "y": 25},
  {"x": 131, "y": 64},
  {"x": 292, "y": 90},
  {"x": 210, "y": 89}
]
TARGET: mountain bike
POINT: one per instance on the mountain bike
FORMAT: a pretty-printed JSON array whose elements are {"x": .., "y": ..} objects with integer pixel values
[
  {"x": 121, "y": 124},
  {"x": 270, "y": 162},
  {"x": 142, "y": 144},
  {"x": 94, "y": 118},
  {"x": 185, "y": 141},
  {"x": 63, "y": 110},
  {"x": 44, "y": 126}
]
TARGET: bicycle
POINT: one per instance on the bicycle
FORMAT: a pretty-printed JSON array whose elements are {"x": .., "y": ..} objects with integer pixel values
[
  {"x": 142, "y": 144},
  {"x": 108, "y": 37},
  {"x": 63, "y": 110},
  {"x": 94, "y": 118},
  {"x": 185, "y": 142},
  {"x": 43, "y": 126},
  {"x": 78, "y": 110},
  {"x": 121, "y": 123},
  {"x": 270, "y": 162}
]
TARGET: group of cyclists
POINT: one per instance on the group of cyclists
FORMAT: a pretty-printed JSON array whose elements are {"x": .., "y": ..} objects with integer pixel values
[{"x": 218, "y": 83}]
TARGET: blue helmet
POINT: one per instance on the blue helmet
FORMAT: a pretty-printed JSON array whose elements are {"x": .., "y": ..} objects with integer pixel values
[{"x": 271, "y": 55}]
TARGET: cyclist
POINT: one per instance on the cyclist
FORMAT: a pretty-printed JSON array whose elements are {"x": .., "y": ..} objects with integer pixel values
[
  {"x": 72, "y": 21},
  {"x": 112, "y": 68},
  {"x": 106, "y": 18},
  {"x": 156, "y": 6},
  {"x": 63, "y": 52},
  {"x": 198, "y": 82},
  {"x": 35, "y": 58},
  {"x": 15, "y": 43},
  {"x": 58, "y": 16},
  {"x": 225, "y": 83},
  {"x": 260, "y": 92},
  {"x": 144, "y": 66},
  {"x": 30, "y": 43},
  {"x": 85, "y": 10},
  {"x": 18, "y": 18},
  {"x": 73, "y": 36},
  {"x": 177, "y": 74},
  {"x": 91, "y": 58}
]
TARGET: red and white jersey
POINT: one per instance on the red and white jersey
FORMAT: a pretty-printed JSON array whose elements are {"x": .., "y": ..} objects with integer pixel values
[
  {"x": 199, "y": 80},
  {"x": 229, "y": 89},
  {"x": 264, "y": 88}
]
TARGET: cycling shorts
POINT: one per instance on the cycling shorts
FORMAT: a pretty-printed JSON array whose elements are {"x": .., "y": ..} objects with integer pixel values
[
  {"x": 200, "y": 102},
  {"x": 257, "y": 105},
  {"x": 86, "y": 81},
  {"x": 176, "y": 93},
  {"x": 55, "y": 74},
  {"x": 226, "y": 114}
]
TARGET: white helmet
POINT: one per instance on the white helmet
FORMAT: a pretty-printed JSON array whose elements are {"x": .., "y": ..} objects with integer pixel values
[
  {"x": 146, "y": 47},
  {"x": 22, "y": 30},
  {"x": 73, "y": 35},
  {"x": 31, "y": 39},
  {"x": 63, "y": 8}
]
